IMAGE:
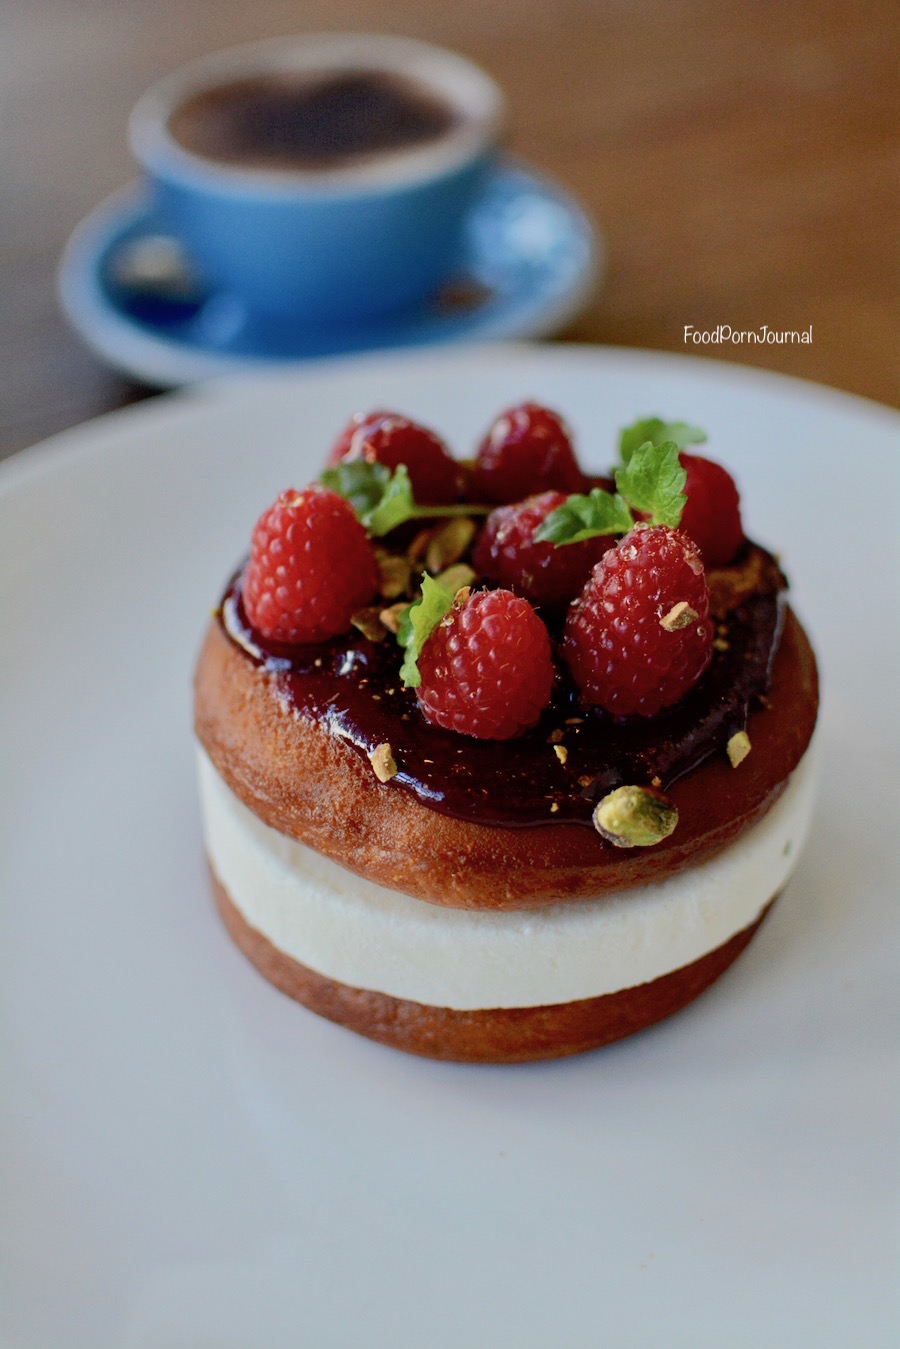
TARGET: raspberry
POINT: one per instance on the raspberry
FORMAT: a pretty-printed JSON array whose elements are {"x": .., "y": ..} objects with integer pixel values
[
  {"x": 507, "y": 554},
  {"x": 344, "y": 443},
  {"x": 621, "y": 655},
  {"x": 311, "y": 566},
  {"x": 486, "y": 669},
  {"x": 527, "y": 450},
  {"x": 391, "y": 439},
  {"x": 712, "y": 515}
]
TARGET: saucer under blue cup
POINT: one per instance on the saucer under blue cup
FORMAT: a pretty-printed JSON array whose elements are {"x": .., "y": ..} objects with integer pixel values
[{"x": 531, "y": 260}]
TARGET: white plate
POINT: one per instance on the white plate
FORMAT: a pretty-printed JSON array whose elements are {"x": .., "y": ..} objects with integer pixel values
[{"x": 193, "y": 1160}]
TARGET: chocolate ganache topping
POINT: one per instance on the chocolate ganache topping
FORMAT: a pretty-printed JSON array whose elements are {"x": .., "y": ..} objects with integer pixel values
[{"x": 574, "y": 756}]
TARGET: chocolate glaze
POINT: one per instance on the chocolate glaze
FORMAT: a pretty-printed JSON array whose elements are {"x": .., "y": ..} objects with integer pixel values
[{"x": 352, "y": 686}]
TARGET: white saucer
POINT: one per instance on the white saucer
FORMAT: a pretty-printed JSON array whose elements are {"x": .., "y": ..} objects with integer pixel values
[{"x": 531, "y": 261}]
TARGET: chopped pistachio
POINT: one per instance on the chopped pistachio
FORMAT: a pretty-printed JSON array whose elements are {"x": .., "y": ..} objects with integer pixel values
[
  {"x": 369, "y": 623},
  {"x": 635, "y": 817},
  {"x": 391, "y": 616},
  {"x": 416, "y": 550},
  {"x": 455, "y": 577},
  {"x": 448, "y": 543},
  {"x": 383, "y": 762},
  {"x": 681, "y": 615},
  {"x": 395, "y": 575},
  {"x": 738, "y": 748}
]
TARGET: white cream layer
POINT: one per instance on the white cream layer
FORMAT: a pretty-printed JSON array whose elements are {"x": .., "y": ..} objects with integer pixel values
[{"x": 370, "y": 937}]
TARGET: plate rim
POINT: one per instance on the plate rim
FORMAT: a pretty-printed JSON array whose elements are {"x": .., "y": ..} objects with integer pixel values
[{"x": 17, "y": 470}]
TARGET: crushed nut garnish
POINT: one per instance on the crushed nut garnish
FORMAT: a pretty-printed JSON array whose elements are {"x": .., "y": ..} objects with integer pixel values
[
  {"x": 383, "y": 763},
  {"x": 555, "y": 736},
  {"x": 635, "y": 817},
  {"x": 738, "y": 748},
  {"x": 585, "y": 781},
  {"x": 656, "y": 782},
  {"x": 448, "y": 543},
  {"x": 681, "y": 615},
  {"x": 720, "y": 644},
  {"x": 574, "y": 721},
  {"x": 416, "y": 550},
  {"x": 554, "y": 807},
  {"x": 391, "y": 616},
  {"x": 395, "y": 574},
  {"x": 369, "y": 623},
  {"x": 561, "y": 753},
  {"x": 730, "y": 586},
  {"x": 455, "y": 577}
]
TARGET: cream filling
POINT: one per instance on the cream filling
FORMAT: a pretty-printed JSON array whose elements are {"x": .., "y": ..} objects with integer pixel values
[{"x": 365, "y": 935}]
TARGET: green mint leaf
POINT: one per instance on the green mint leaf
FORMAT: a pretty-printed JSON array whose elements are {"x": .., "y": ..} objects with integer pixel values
[
  {"x": 419, "y": 622},
  {"x": 362, "y": 483},
  {"x": 382, "y": 499},
  {"x": 585, "y": 517},
  {"x": 395, "y": 507},
  {"x": 657, "y": 432},
  {"x": 653, "y": 482}
]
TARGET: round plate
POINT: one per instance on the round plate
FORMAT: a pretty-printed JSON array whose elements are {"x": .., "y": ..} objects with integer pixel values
[
  {"x": 192, "y": 1159},
  {"x": 530, "y": 263}
]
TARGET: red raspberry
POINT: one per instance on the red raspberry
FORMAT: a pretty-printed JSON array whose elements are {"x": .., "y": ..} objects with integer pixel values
[
  {"x": 486, "y": 669},
  {"x": 507, "y": 553},
  {"x": 527, "y": 450},
  {"x": 344, "y": 443},
  {"x": 712, "y": 514},
  {"x": 311, "y": 566},
  {"x": 391, "y": 439},
  {"x": 621, "y": 655}
]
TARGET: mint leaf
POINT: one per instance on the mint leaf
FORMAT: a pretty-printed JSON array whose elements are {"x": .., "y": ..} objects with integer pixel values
[
  {"x": 653, "y": 482},
  {"x": 419, "y": 622},
  {"x": 383, "y": 500},
  {"x": 585, "y": 517},
  {"x": 657, "y": 432},
  {"x": 362, "y": 483},
  {"x": 395, "y": 507}
]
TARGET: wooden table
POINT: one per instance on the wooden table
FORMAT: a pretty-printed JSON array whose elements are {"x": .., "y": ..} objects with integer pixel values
[{"x": 741, "y": 160}]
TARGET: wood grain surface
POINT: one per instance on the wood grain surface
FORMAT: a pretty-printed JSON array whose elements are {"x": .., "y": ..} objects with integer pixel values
[{"x": 741, "y": 160}]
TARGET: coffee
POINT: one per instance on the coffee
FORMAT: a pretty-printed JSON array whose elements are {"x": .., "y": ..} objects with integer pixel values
[{"x": 293, "y": 122}]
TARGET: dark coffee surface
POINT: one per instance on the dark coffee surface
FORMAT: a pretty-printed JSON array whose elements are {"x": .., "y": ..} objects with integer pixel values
[
  {"x": 303, "y": 122},
  {"x": 352, "y": 686}
]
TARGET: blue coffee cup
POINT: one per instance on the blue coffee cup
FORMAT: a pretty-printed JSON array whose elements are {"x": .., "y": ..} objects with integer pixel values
[{"x": 349, "y": 240}]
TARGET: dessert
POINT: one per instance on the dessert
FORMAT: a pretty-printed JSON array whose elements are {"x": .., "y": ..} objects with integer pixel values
[{"x": 503, "y": 767}]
